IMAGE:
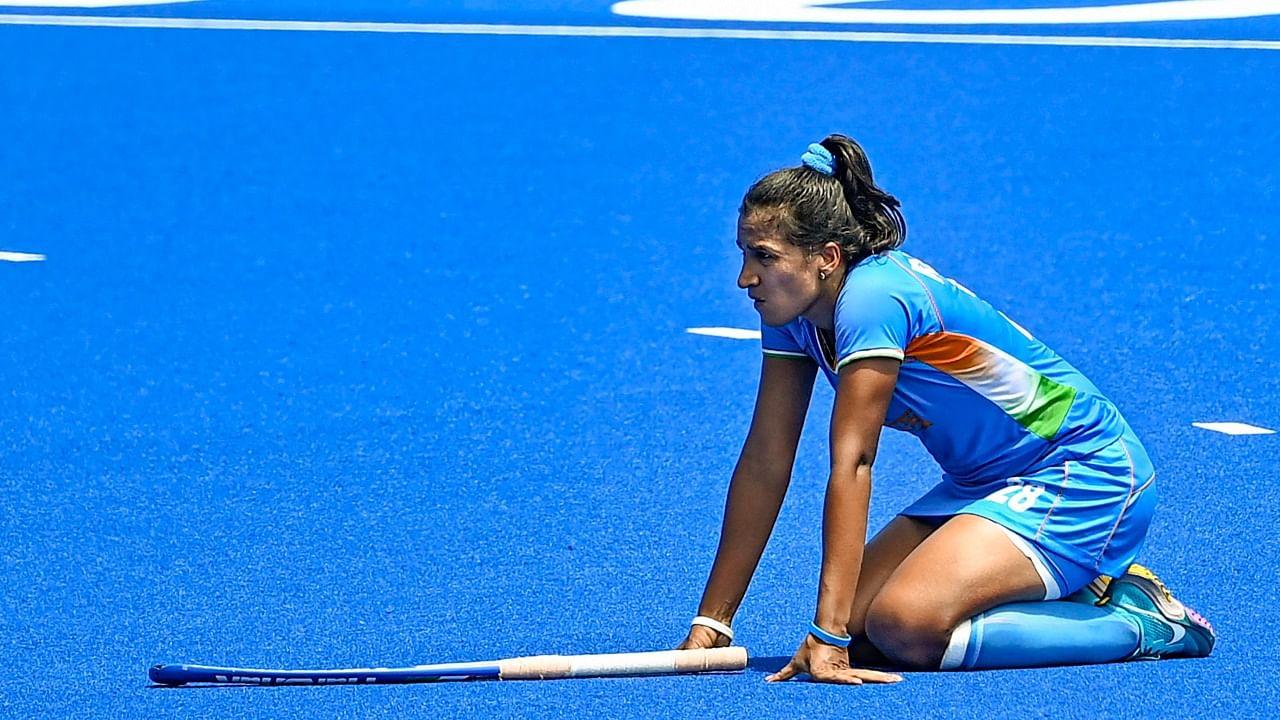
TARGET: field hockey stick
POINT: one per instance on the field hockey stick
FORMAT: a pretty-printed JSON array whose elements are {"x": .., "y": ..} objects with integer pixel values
[{"x": 538, "y": 667}]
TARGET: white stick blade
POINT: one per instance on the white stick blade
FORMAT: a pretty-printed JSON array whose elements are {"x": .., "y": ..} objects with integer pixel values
[{"x": 662, "y": 662}]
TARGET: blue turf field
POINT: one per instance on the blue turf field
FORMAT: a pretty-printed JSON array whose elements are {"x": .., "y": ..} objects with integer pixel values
[{"x": 358, "y": 348}]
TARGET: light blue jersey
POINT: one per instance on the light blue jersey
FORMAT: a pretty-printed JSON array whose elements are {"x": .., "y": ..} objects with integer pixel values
[{"x": 995, "y": 407}]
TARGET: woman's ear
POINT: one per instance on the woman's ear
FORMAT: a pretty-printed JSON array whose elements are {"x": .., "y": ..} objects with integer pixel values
[{"x": 829, "y": 258}]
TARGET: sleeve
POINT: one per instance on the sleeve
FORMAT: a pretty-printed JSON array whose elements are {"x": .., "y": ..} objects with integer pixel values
[
  {"x": 872, "y": 320},
  {"x": 779, "y": 342}
]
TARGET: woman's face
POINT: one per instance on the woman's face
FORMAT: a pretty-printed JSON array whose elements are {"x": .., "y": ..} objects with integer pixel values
[{"x": 781, "y": 278}]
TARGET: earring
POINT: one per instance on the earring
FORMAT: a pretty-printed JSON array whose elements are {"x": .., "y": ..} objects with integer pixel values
[{"x": 822, "y": 274}]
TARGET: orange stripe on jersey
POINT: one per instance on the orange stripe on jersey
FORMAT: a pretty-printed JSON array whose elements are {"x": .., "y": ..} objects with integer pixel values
[{"x": 951, "y": 353}]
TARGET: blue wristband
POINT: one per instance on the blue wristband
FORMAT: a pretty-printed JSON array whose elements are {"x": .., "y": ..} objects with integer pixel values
[{"x": 826, "y": 637}]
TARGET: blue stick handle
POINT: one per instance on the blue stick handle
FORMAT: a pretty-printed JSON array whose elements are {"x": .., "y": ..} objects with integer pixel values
[{"x": 183, "y": 674}]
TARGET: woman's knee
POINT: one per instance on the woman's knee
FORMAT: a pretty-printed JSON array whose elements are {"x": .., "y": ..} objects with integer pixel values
[
  {"x": 882, "y": 556},
  {"x": 909, "y": 630}
]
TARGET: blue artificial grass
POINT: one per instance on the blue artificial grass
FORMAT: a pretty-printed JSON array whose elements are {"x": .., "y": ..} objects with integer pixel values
[{"x": 361, "y": 349}]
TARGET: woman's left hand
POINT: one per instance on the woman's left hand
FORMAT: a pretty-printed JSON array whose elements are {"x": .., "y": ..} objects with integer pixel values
[{"x": 828, "y": 664}]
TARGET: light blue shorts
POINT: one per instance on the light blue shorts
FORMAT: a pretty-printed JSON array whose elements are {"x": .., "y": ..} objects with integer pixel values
[{"x": 1074, "y": 520}]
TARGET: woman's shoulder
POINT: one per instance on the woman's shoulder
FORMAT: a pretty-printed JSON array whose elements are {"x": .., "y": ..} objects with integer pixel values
[{"x": 880, "y": 274}]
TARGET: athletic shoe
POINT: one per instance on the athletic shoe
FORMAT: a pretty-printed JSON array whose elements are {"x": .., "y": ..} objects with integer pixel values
[{"x": 1169, "y": 628}]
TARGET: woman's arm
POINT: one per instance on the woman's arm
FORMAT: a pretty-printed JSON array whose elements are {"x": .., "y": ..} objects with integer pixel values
[
  {"x": 862, "y": 400},
  {"x": 756, "y": 490}
]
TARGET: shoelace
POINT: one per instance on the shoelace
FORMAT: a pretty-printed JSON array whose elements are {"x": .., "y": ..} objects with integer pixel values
[
  {"x": 1143, "y": 572},
  {"x": 1102, "y": 585}
]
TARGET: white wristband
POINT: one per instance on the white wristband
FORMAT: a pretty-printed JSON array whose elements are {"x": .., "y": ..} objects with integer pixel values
[{"x": 714, "y": 624}]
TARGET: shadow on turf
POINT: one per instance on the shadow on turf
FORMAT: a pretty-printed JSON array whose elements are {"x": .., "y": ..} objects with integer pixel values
[{"x": 768, "y": 664}]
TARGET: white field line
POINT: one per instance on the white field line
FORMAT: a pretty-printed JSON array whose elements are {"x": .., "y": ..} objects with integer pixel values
[
  {"x": 632, "y": 32},
  {"x": 1234, "y": 428},
  {"x": 89, "y": 4},
  {"x": 726, "y": 332},
  {"x": 837, "y": 12},
  {"x": 20, "y": 257}
]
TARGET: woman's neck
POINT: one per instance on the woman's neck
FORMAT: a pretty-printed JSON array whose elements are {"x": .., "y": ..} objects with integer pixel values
[{"x": 822, "y": 313}]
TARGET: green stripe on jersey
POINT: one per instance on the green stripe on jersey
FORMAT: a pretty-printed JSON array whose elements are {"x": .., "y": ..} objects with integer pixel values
[{"x": 1050, "y": 408}]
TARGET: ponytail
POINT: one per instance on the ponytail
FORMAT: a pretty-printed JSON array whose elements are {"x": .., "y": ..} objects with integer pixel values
[
  {"x": 875, "y": 209},
  {"x": 832, "y": 197}
]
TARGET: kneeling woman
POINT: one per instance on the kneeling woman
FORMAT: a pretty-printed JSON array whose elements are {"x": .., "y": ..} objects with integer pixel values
[{"x": 1046, "y": 492}]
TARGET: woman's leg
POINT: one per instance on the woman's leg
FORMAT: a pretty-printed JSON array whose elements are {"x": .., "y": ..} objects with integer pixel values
[
  {"x": 880, "y": 559},
  {"x": 972, "y": 594},
  {"x": 970, "y": 597},
  {"x": 966, "y": 566}
]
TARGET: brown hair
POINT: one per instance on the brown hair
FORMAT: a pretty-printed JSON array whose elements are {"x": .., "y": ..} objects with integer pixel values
[{"x": 811, "y": 208}]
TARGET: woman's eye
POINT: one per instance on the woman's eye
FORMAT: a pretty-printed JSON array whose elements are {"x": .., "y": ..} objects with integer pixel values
[{"x": 764, "y": 256}]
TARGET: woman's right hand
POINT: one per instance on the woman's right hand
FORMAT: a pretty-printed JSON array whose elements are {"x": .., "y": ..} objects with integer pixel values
[{"x": 700, "y": 637}]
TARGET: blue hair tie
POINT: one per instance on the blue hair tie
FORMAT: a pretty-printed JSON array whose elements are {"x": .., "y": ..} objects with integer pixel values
[{"x": 820, "y": 159}]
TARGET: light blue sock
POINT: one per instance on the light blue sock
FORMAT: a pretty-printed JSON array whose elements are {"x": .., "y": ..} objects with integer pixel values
[{"x": 1041, "y": 634}]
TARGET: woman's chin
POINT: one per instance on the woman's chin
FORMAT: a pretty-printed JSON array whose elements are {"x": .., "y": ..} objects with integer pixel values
[{"x": 768, "y": 318}]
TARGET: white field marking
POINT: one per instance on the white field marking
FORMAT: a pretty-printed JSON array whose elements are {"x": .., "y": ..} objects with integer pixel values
[
  {"x": 8, "y": 256},
  {"x": 726, "y": 332},
  {"x": 819, "y": 11},
  {"x": 630, "y": 32},
  {"x": 87, "y": 3},
  {"x": 1234, "y": 428}
]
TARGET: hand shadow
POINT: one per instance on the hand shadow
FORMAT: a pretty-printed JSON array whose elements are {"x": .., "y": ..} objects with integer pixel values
[{"x": 768, "y": 664}]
